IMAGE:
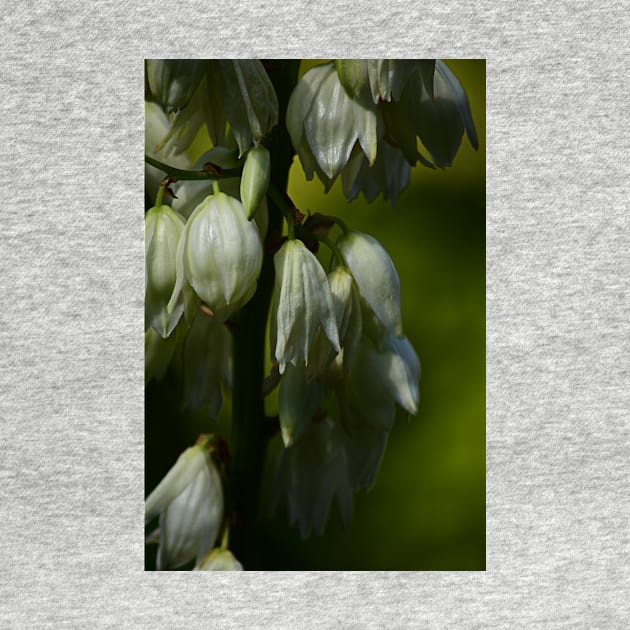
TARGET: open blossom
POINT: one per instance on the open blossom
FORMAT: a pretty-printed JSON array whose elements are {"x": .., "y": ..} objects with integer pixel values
[
  {"x": 219, "y": 255},
  {"x": 302, "y": 303},
  {"x": 189, "y": 502}
]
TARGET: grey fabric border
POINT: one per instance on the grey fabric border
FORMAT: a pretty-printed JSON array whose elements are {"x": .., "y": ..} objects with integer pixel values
[{"x": 71, "y": 371}]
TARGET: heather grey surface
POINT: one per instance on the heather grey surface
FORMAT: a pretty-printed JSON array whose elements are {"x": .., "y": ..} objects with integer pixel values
[{"x": 71, "y": 370}]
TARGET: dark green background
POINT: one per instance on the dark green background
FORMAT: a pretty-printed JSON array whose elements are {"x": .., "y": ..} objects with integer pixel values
[{"x": 427, "y": 509}]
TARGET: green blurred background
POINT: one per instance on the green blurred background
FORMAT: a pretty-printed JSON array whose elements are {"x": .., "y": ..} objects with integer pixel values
[{"x": 427, "y": 509}]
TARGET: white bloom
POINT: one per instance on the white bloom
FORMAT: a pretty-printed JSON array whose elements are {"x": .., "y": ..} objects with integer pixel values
[
  {"x": 219, "y": 560},
  {"x": 162, "y": 230},
  {"x": 219, "y": 256},
  {"x": 378, "y": 378},
  {"x": 313, "y": 472},
  {"x": 325, "y": 123},
  {"x": 189, "y": 501},
  {"x": 376, "y": 276},
  {"x": 302, "y": 303},
  {"x": 207, "y": 361}
]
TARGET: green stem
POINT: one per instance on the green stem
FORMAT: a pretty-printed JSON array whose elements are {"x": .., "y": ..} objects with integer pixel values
[
  {"x": 160, "y": 194},
  {"x": 248, "y": 435},
  {"x": 183, "y": 174}
]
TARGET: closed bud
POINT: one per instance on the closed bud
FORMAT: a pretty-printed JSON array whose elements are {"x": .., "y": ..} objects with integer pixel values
[
  {"x": 255, "y": 179},
  {"x": 219, "y": 256},
  {"x": 163, "y": 228}
]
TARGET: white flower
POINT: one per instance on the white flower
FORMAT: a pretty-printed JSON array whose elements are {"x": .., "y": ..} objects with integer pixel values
[
  {"x": 313, "y": 472},
  {"x": 378, "y": 378},
  {"x": 207, "y": 361},
  {"x": 219, "y": 255},
  {"x": 302, "y": 303},
  {"x": 189, "y": 501},
  {"x": 325, "y": 123},
  {"x": 376, "y": 277},
  {"x": 219, "y": 560},
  {"x": 162, "y": 230}
]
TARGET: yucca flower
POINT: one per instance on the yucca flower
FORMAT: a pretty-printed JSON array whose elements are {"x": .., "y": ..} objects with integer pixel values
[
  {"x": 302, "y": 303},
  {"x": 219, "y": 255},
  {"x": 163, "y": 228},
  {"x": 189, "y": 502}
]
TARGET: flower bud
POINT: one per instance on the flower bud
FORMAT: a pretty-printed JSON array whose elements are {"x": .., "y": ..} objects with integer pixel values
[
  {"x": 189, "y": 501},
  {"x": 375, "y": 275},
  {"x": 255, "y": 179},
  {"x": 219, "y": 560},
  {"x": 163, "y": 228},
  {"x": 172, "y": 82},
  {"x": 219, "y": 255},
  {"x": 302, "y": 303}
]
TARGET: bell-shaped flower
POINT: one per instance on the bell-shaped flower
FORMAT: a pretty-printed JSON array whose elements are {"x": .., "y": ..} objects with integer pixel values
[
  {"x": 325, "y": 123},
  {"x": 207, "y": 361},
  {"x": 219, "y": 255},
  {"x": 434, "y": 107},
  {"x": 219, "y": 560},
  {"x": 162, "y": 230},
  {"x": 189, "y": 502},
  {"x": 302, "y": 302},
  {"x": 375, "y": 275},
  {"x": 325, "y": 363},
  {"x": 311, "y": 474},
  {"x": 247, "y": 97},
  {"x": 378, "y": 378},
  {"x": 172, "y": 82}
]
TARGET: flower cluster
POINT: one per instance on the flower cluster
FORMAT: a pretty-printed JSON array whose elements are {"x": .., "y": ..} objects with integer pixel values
[
  {"x": 344, "y": 365},
  {"x": 339, "y": 357},
  {"x": 360, "y": 119}
]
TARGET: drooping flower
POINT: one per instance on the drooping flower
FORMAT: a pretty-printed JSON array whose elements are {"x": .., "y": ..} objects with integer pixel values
[
  {"x": 219, "y": 560},
  {"x": 189, "y": 502},
  {"x": 172, "y": 82},
  {"x": 219, "y": 255},
  {"x": 376, "y": 276},
  {"x": 255, "y": 179},
  {"x": 163, "y": 228},
  {"x": 325, "y": 124},
  {"x": 207, "y": 361},
  {"x": 302, "y": 303},
  {"x": 311, "y": 474}
]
